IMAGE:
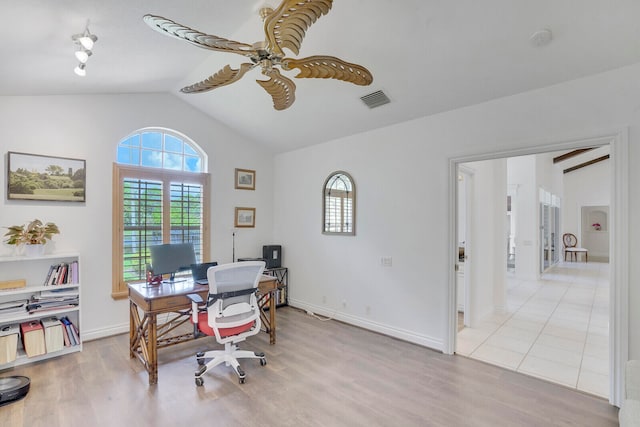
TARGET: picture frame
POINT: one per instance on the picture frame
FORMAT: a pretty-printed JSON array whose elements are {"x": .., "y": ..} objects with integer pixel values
[
  {"x": 45, "y": 178},
  {"x": 245, "y": 179},
  {"x": 245, "y": 217}
]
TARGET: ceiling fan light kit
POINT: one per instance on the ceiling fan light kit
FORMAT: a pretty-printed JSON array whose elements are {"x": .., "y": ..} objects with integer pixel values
[
  {"x": 84, "y": 43},
  {"x": 541, "y": 37},
  {"x": 285, "y": 28}
]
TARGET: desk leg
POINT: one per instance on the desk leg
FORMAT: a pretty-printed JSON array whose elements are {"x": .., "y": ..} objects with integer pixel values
[
  {"x": 132, "y": 328},
  {"x": 152, "y": 347},
  {"x": 272, "y": 318}
]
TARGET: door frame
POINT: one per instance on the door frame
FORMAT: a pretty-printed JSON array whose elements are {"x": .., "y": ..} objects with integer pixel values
[
  {"x": 468, "y": 176},
  {"x": 618, "y": 141}
]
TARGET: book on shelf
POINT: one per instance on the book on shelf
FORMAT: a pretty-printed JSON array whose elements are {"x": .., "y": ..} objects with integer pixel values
[
  {"x": 53, "y": 301},
  {"x": 65, "y": 335},
  {"x": 33, "y": 338},
  {"x": 11, "y": 308},
  {"x": 53, "y": 337},
  {"x": 62, "y": 274},
  {"x": 72, "y": 331}
]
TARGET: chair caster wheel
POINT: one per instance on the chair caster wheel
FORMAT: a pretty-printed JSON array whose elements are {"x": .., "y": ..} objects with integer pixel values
[
  {"x": 199, "y": 382},
  {"x": 263, "y": 362},
  {"x": 200, "y": 361},
  {"x": 241, "y": 380},
  {"x": 200, "y": 372}
]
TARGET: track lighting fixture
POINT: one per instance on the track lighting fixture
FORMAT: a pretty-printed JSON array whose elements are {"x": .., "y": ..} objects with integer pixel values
[{"x": 84, "y": 42}]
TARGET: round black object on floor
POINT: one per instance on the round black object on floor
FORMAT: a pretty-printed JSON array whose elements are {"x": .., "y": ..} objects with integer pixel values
[{"x": 13, "y": 388}]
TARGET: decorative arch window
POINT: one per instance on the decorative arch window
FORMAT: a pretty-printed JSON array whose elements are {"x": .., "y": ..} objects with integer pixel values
[
  {"x": 161, "y": 195},
  {"x": 339, "y": 204}
]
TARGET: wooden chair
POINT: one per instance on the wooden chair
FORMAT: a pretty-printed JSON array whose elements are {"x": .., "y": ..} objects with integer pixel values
[{"x": 570, "y": 242}]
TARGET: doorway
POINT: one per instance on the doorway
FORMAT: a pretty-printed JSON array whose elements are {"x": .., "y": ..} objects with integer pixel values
[{"x": 551, "y": 229}]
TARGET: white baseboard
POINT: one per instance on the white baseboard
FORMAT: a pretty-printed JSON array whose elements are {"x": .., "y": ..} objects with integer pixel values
[
  {"x": 402, "y": 334},
  {"x": 105, "y": 332}
]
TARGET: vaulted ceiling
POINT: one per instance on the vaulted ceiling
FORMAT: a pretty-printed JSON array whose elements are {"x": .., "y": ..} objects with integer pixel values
[{"x": 428, "y": 56}]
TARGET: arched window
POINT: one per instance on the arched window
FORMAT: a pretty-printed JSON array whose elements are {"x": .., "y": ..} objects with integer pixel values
[
  {"x": 160, "y": 148},
  {"x": 161, "y": 195},
  {"x": 339, "y": 204}
]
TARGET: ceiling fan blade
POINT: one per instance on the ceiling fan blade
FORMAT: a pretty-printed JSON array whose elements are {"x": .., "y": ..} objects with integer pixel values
[
  {"x": 329, "y": 67},
  {"x": 224, "y": 77},
  {"x": 281, "y": 89},
  {"x": 286, "y": 26},
  {"x": 195, "y": 37}
]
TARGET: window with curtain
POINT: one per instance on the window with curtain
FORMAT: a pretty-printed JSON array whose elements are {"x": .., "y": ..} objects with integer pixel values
[
  {"x": 338, "y": 202},
  {"x": 161, "y": 195}
]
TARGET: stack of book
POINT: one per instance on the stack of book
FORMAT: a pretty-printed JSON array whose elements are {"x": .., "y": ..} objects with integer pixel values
[
  {"x": 70, "y": 332},
  {"x": 11, "y": 308},
  {"x": 53, "y": 300},
  {"x": 62, "y": 274}
]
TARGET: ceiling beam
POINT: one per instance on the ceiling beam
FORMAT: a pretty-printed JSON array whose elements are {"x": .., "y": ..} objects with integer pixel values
[
  {"x": 585, "y": 164},
  {"x": 571, "y": 154}
]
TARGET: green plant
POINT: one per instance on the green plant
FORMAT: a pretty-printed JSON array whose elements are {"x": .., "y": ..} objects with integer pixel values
[{"x": 33, "y": 233}]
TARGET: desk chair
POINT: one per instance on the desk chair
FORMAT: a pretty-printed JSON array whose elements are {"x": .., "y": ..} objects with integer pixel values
[
  {"x": 570, "y": 242},
  {"x": 231, "y": 315}
]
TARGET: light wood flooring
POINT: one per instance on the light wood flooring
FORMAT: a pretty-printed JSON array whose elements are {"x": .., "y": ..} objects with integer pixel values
[{"x": 318, "y": 374}]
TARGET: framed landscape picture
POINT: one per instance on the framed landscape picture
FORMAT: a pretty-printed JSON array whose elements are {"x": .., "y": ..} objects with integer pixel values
[
  {"x": 245, "y": 217},
  {"x": 38, "y": 177},
  {"x": 245, "y": 179}
]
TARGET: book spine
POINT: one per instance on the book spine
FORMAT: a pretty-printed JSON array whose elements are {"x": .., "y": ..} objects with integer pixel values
[
  {"x": 65, "y": 335},
  {"x": 54, "y": 274},
  {"x": 74, "y": 336},
  {"x": 46, "y": 280},
  {"x": 74, "y": 272},
  {"x": 62, "y": 279}
]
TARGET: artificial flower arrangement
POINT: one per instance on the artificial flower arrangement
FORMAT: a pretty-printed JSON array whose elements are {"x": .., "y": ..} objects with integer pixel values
[{"x": 33, "y": 233}]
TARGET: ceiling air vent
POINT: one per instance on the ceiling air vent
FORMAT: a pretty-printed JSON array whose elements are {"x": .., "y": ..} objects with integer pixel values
[{"x": 375, "y": 99}]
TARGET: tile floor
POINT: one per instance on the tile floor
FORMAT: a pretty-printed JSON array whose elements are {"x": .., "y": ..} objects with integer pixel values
[{"x": 555, "y": 328}]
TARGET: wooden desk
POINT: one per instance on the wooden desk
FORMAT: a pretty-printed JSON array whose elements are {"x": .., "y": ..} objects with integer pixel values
[{"x": 146, "y": 336}]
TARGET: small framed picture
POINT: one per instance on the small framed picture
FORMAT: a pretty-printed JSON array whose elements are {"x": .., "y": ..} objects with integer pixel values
[
  {"x": 245, "y": 179},
  {"x": 245, "y": 217}
]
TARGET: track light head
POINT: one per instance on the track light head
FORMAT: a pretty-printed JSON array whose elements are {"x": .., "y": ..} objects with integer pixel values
[
  {"x": 80, "y": 70},
  {"x": 83, "y": 55}
]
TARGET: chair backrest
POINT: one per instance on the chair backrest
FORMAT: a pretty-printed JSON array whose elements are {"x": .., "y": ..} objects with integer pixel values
[
  {"x": 232, "y": 311},
  {"x": 569, "y": 240}
]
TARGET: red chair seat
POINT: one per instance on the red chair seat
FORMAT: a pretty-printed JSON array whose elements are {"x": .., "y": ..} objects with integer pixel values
[{"x": 203, "y": 326}]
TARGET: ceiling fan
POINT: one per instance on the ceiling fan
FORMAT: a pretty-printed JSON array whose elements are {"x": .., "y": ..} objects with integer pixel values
[{"x": 284, "y": 27}]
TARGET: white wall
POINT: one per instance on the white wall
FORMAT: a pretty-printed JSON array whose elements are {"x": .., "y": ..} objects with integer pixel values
[
  {"x": 90, "y": 127},
  {"x": 402, "y": 177},
  {"x": 522, "y": 175},
  {"x": 589, "y": 186}
]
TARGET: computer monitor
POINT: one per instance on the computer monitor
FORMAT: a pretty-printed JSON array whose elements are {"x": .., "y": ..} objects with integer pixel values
[{"x": 171, "y": 258}]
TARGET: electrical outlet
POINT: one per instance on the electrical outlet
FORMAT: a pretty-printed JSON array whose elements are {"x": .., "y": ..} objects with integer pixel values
[
  {"x": 344, "y": 302},
  {"x": 386, "y": 261}
]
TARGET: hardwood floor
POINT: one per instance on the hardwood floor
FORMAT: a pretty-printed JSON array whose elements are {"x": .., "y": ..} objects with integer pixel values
[{"x": 318, "y": 374}]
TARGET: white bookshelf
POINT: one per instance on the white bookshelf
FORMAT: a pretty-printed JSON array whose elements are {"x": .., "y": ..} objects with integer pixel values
[{"x": 34, "y": 271}]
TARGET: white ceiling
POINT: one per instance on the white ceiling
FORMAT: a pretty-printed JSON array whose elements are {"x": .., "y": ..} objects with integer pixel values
[{"x": 428, "y": 56}]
